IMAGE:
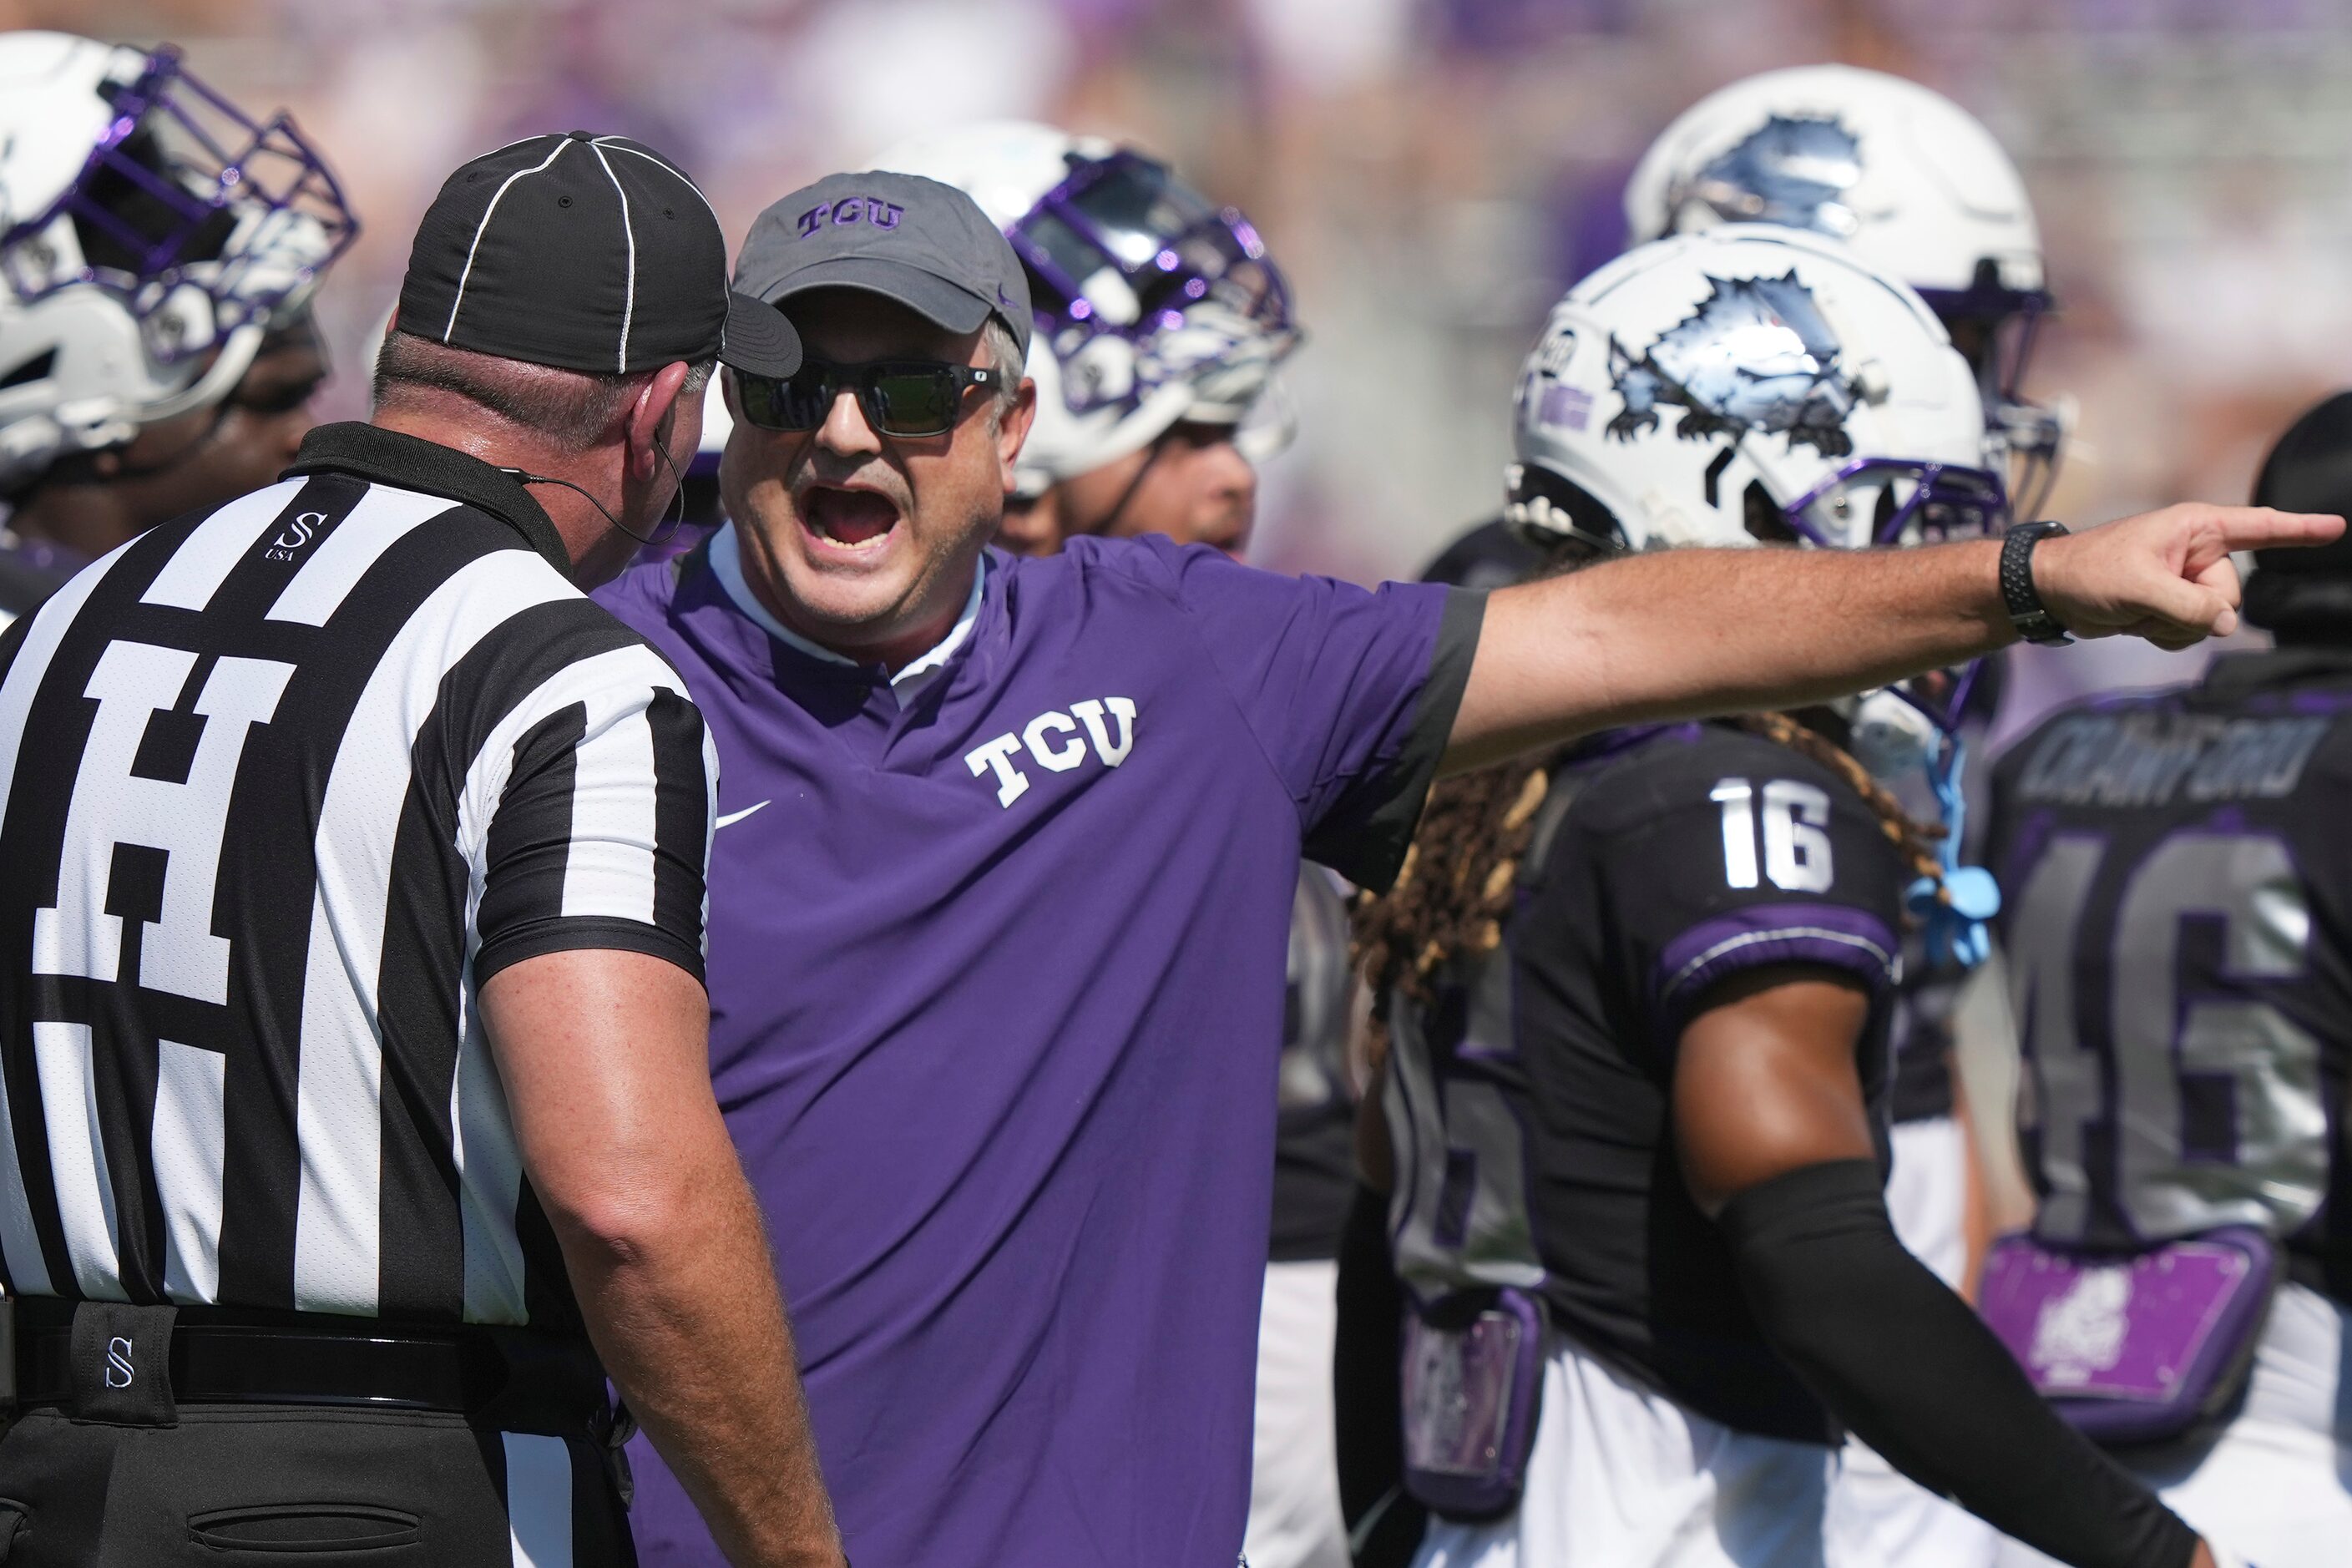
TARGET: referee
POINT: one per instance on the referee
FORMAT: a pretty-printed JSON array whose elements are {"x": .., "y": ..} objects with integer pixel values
[{"x": 356, "y": 1123}]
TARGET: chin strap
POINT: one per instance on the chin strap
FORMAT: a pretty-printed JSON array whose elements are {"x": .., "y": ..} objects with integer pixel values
[
  {"x": 1111, "y": 518},
  {"x": 237, "y": 352},
  {"x": 1953, "y": 907}
]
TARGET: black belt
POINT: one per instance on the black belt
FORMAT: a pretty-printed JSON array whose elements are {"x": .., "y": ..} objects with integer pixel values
[{"x": 517, "y": 1379}]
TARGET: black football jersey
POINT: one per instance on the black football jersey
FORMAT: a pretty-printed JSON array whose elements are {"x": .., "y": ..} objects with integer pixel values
[
  {"x": 1530, "y": 1101},
  {"x": 2177, "y": 874},
  {"x": 1925, "y": 1014},
  {"x": 1315, "y": 1127},
  {"x": 1487, "y": 555}
]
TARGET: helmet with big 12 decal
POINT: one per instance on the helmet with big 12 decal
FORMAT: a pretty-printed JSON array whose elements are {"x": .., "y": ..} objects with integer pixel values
[
  {"x": 1154, "y": 305},
  {"x": 1913, "y": 182},
  {"x": 150, "y": 235},
  {"x": 1748, "y": 385}
]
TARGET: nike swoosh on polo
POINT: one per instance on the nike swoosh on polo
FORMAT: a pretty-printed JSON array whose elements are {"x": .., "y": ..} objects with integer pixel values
[{"x": 735, "y": 816}]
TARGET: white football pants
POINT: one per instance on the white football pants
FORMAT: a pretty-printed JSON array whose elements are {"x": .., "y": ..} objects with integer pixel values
[
  {"x": 1877, "y": 1514},
  {"x": 1294, "y": 1515},
  {"x": 1622, "y": 1478},
  {"x": 2272, "y": 1485}
]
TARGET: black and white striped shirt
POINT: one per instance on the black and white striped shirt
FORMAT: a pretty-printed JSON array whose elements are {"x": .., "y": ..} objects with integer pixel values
[{"x": 281, "y": 785}]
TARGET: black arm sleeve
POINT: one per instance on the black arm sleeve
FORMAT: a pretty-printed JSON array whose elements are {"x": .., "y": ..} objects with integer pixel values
[
  {"x": 1903, "y": 1361},
  {"x": 1365, "y": 1379}
]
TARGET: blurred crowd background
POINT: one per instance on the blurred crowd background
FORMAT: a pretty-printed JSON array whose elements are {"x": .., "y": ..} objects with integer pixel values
[{"x": 1432, "y": 174}]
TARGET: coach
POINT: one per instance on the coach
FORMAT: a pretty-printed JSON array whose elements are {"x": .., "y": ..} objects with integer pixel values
[
  {"x": 1007, "y": 849},
  {"x": 351, "y": 1030}
]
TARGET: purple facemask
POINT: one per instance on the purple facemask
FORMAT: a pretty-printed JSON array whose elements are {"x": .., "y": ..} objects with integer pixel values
[
  {"x": 1997, "y": 327},
  {"x": 1917, "y": 502},
  {"x": 1122, "y": 247},
  {"x": 186, "y": 189}
]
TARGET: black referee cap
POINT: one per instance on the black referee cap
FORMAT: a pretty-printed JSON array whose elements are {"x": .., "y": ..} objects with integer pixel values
[
  {"x": 584, "y": 252},
  {"x": 2310, "y": 469}
]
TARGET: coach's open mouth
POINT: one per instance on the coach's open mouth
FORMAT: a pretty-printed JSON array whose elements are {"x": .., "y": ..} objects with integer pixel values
[{"x": 850, "y": 518}]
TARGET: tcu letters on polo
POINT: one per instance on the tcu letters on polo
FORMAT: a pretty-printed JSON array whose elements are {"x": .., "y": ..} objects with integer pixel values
[{"x": 1052, "y": 740}]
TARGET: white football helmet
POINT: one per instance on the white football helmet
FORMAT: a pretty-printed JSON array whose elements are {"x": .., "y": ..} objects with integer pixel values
[
  {"x": 1152, "y": 305},
  {"x": 150, "y": 234},
  {"x": 1912, "y": 181},
  {"x": 1750, "y": 385}
]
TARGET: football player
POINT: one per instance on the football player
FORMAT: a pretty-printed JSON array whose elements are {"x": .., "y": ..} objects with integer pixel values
[
  {"x": 1161, "y": 320},
  {"x": 1920, "y": 191},
  {"x": 2177, "y": 936},
  {"x": 158, "y": 251},
  {"x": 1909, "y": 179},
  {"x": 1638, "y": 997}
]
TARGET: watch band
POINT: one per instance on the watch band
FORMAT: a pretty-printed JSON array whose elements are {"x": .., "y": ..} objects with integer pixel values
[{"x": 2033, "y": 620}]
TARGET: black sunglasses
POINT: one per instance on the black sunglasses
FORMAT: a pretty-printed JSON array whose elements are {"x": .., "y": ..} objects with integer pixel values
[{"x": 901, "y": 397}]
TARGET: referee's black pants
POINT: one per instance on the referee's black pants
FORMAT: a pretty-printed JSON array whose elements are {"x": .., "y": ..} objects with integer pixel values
[
  {"x": 279, "y": 1486},
  {"x": 293, "y": 1488}
]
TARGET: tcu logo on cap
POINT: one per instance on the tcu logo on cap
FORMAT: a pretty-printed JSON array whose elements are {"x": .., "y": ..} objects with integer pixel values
[{"x": 849, "y": 210}]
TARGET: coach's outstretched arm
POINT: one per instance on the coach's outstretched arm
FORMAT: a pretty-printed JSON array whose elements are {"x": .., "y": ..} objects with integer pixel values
[
  {"x": 1724, "y": 631},
  {"x": 606, "y": 1062}
]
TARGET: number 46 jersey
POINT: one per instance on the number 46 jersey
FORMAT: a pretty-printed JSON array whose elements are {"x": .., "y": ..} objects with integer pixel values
[
  {"x": 1530, "y": 1102},
  {"x": 2177, "y": 874}
]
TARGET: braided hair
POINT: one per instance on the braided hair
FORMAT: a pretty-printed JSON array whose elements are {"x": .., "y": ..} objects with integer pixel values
[
  {"x": 1451, "y": 895},
  {"x": 1449, "y": 899}
]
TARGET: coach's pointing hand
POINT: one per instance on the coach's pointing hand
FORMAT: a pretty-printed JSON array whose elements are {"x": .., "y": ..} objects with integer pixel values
[
  {"x": 1692, "y": 633},
  {"x": 2164, "y": 575}
]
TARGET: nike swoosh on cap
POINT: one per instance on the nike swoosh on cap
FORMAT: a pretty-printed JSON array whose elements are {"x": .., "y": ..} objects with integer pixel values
[{"x": 735, "y": 816}]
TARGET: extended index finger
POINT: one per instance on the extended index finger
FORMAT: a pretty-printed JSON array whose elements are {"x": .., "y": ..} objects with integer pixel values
[{"x": 2261, "y": 527}]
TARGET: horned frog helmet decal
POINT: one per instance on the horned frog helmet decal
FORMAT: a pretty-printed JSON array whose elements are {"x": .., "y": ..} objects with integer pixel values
[
  {"x": 1751, "y": 383},
  {"x": 1755, "y": 356},
  {"x": 1796, "y": 170}
]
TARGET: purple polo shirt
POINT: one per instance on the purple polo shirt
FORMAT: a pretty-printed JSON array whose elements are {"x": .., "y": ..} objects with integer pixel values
[{"x": 996, "y": 991}]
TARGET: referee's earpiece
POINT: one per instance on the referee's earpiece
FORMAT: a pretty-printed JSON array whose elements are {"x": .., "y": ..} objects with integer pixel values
[
  {"x": 667, "y": 529},
  {"x": 664, "y": 530}
]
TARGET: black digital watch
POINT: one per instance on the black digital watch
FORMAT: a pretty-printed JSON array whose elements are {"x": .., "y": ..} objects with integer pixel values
[{"x": 2032, "y": 618}]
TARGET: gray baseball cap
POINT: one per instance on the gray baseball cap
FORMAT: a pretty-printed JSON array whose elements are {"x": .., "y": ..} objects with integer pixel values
[{"x": 925, "y": 245}]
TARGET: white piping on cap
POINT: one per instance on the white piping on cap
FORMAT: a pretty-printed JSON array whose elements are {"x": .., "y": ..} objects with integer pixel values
[
  {"x": 629, "y": 304},
  {"x": 451, "y": 324},
  {"x": 679, "y": 174},
  {"x": 659, "y": 163}
]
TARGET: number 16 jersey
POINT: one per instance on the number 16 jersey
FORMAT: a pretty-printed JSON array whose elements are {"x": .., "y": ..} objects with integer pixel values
[
  {"x": 1531, "y": 1102},
  {"x": 2177, "y": 874}
]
